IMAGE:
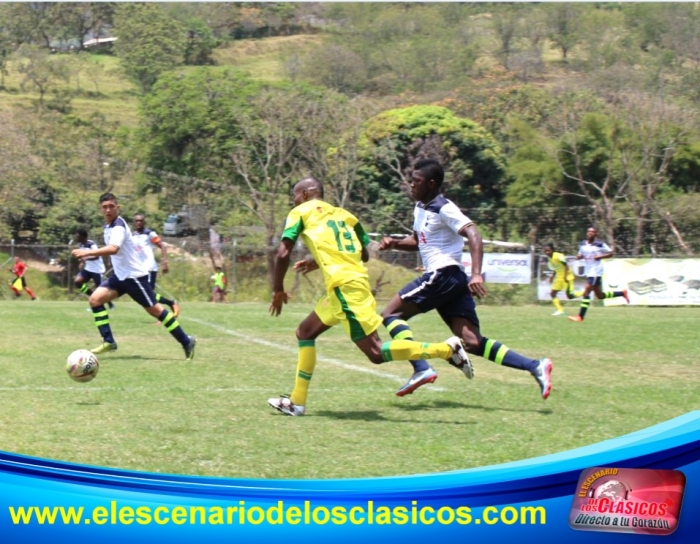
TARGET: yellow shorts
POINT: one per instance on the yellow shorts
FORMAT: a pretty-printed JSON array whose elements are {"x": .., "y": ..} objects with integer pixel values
[
  {"x": 353, "y": 305},
  {"x": 563, "y": 285}
]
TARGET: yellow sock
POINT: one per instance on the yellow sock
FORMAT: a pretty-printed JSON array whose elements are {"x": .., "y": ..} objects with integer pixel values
[
  {"x": 557, "y": 304},
  {"x": 306, "y": 362},
  {"x": 410, "y": 350}
]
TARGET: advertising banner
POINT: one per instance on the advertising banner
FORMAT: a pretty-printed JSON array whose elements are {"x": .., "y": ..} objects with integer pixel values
[
  {"x": 654, "y": 282},
  {"x": 503, "y": 267}
]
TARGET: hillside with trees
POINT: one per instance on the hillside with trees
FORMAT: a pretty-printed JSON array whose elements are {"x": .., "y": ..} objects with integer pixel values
[{"x": 549, "y": 117}]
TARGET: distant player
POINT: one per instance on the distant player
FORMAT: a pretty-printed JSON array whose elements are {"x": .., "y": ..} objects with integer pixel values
[
  {"x": 147, "y": 239},
  {"x": 130, "y": 277},
  {"x": 91, "y": 269},
  {"x": 218, "y": 292},
  {"x": 561, "y": 280},
  {"x": 338, "y": 244},
  {"x": 439, "y": 229},
  {"x": 20, "y": 282},
  {"x": 593, "y": 251}
]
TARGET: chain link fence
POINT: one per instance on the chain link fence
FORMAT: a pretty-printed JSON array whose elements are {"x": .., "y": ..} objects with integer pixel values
[{"x": 247, "y": 263}]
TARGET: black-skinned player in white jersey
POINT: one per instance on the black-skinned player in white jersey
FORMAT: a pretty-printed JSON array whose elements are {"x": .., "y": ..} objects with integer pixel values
[
  {"x": 439, "y": 229},
  {"x": 91, "y": 268},
  {"x": 593, "y": 251},
  {"x": 148, "y": 239},
  {"x": 130, "y": 276}
]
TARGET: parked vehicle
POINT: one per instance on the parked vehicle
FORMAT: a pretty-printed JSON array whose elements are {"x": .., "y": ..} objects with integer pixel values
[{"x": 187, "y": 221}]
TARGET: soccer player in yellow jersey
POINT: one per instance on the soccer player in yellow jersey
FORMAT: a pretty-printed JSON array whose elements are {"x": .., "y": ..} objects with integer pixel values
[
  {"x": 562, "y": 279},
  {"x": 338, "y": 245}
]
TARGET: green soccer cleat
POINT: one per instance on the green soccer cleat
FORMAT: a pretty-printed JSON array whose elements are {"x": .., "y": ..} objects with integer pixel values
[{"x": 104, "y": 348}]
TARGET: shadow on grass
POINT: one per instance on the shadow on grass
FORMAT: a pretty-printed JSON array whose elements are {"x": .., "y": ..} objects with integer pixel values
[
  {"x": 136, "y": 358},
  {"x": 441, "y": 404},
  {"x": 88, "y": 403},
  {"x": 374, "y": 415}
]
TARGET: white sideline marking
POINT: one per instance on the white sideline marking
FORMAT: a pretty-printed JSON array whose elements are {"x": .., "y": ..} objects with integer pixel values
[{"x": 287, "y": 349}]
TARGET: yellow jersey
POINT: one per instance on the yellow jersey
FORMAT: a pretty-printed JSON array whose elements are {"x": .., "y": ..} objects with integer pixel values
[
  {"x": 334, "y": 237},
  {"x": 557, "y": 262}
]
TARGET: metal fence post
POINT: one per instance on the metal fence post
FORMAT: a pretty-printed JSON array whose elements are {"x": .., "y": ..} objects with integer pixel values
[
  {"x": 184, "y": 272},
  {"x": 234, "y": 278}
]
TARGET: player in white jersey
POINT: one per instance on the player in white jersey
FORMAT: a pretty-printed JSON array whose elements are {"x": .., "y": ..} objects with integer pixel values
[
  {"x": 91, "y": 269},
  {"x": 593, "y": 251},
  {"x": 147, "y": 239},
  {"x": 130, "y": 276},
  {"x": 439, "y": 229}
]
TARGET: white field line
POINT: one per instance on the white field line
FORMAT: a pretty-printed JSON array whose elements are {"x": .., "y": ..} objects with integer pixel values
[{"x": 293, "y": 351}]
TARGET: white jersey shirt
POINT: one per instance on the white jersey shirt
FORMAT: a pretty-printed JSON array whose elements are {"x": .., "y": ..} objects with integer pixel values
[
  {"x": 127, "y": 262},
  {"x": 147, "y": 240},
  {"x": 594, "y": 268},
  {"x": 437, "y": 226},
  {"x": 96, "y": 266}
]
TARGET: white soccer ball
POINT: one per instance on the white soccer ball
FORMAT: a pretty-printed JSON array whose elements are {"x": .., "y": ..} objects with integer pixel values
[{"x": 82, "y": 365}]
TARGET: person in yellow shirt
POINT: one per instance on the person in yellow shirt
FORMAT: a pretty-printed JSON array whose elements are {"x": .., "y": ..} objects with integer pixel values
[
  {"x": 218, "y": 293},
  {"x": 338, "y": 245},
  {"x": 561, "y": 280}
]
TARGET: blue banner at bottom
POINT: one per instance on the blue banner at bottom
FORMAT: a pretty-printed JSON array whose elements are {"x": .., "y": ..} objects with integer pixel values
[{"x": 576, "y": 496}]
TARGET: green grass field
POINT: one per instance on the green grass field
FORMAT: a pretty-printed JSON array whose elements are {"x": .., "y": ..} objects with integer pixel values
[{"x": 622, "y": 370}]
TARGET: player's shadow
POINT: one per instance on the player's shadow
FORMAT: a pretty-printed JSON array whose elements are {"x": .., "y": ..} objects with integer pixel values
[
  {"x": 141, "y": 358},
  {"x": 88, "y": 403},
  {"x": 442, "y": 404},
  {"x": 374, "y": 415}
]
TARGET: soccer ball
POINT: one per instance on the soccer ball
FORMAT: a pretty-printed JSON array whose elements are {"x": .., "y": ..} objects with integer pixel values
[{"x": 82, "y": 365}]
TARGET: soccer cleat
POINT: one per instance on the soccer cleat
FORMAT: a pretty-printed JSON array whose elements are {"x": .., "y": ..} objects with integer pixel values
[
  {"x": 418, "y": 379},
  {"x": 286, "y": 406},
  {"x": 559, "y": 313},
  {"x": 543, "y": 375},
  {"x": 105, "y": 347},
  {"x": 576, "y": 318},
  {"x": 176, "y": 309},
  {"x": 626, "y": 295},
  {"x": 189, "y": 349},
  {"x": 460, "y": 357},
  {"x": 111, "y": 306}
]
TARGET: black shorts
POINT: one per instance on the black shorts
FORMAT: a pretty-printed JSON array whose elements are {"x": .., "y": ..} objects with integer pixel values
[
  {"x": 445, "y": 290},
  {"x": 137, "y": 288},
  {"x": 152, "y": 275},
  {"x": 595, "y": 281},
  {"x": 96, "y": 277}
]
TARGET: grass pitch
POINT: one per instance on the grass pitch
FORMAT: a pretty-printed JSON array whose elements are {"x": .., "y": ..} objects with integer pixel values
[{"x": 621, "y": 370}]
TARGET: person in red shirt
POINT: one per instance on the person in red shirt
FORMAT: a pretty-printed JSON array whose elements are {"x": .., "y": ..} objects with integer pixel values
[{"x": 20, "y": 282}]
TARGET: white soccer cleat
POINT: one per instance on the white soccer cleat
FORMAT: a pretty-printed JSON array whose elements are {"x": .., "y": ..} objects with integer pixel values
[
  {"x": 460, "y": 357},
  {"x": 559, "y": 313},
  {"x": 418, "y": 379},
  {"x": 543, "y": 375},
  {"x": 286, "y": 406}
]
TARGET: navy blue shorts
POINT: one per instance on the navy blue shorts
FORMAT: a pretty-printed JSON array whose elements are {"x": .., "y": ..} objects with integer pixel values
[
  {"x": 96, "y": 277},
  {"x": 596, "y": 281},
  {"x": 445, "y": 290},
  {"x": 139, "y": 289},
  {"x": 152, "y": 275}
]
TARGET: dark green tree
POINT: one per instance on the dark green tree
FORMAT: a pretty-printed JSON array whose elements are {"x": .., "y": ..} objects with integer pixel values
[
  {"x": 395, "y": 139},
  {"x": 150, "y": 42}
]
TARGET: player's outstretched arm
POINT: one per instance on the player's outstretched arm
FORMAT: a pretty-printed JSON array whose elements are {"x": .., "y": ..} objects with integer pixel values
[
  {"x": 279, "y": 297},
  {"x": 476, "y": 250},
  {"x": 409, "y": 243}
]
